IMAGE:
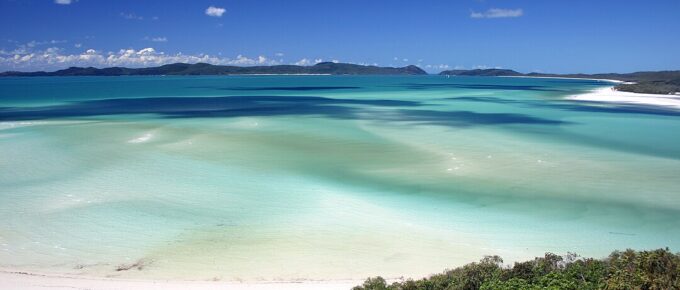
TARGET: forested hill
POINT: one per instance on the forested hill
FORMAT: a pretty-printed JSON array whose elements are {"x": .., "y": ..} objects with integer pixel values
[
  {"x": 209, "y": 69},
  {"x": 651, "y": 82}
]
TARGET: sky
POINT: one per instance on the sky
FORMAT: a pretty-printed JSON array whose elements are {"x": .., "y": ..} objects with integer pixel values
[{"x": 528, "y": 36}]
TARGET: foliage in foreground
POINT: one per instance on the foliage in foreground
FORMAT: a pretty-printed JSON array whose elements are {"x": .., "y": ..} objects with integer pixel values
[{"x": 648, "y": 270}]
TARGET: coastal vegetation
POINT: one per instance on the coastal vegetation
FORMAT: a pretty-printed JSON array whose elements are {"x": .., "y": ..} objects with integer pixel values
[
  {"x": 629, "y": 269},
  {"x": 652, "y": 87},
  {"x": 650, "y": 82}
]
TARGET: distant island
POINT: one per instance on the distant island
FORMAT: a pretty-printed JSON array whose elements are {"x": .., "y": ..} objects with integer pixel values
[
  {"x": 659, "y": 82},
  {"x": 209, "y": 69}
]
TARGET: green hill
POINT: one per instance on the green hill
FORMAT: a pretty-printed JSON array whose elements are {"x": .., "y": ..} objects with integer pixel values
[
  {"x": 650, "y": 82},
  {"x": 209, "y": 69}
]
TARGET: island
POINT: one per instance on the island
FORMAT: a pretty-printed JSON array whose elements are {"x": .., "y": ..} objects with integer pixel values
[
  {"x": 322, "y": 68},
  {"x": 647, "y": 82}
]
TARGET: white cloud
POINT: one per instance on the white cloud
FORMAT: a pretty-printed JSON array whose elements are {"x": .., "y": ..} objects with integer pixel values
[
  {"x": 497, "y": 13},
  {"x": 131, "y": 16},
  {"x": 438, "y": 66},
  {"x": 365, "y": 63},
  {"x": 215, "y": 11},
  {"x": 63, "y": 2},
  {"x": 279, "y": 54},
  {"x": 23, "y": 48},
  {"x": 486, "y": 67},
  {"x": 78, "y": 45},
  {"x": 157, "y": 39},
  {"x": 34, "y": 43},
  {"x": 54, "y": 58},
  {"x": 307, "y": 62},
  {"x": 304, "y": 61}
]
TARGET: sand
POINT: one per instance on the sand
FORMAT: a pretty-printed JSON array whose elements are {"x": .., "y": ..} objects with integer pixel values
[
  {"x": 30, "y": 281},
  {"x": 610, "y": 95}
]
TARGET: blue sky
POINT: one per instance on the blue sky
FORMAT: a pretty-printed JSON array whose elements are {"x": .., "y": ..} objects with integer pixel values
[{"x": 546, "y": 36}]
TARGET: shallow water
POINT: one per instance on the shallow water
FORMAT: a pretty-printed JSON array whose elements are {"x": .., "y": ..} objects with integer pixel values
[{"x": 324, "y": 177}]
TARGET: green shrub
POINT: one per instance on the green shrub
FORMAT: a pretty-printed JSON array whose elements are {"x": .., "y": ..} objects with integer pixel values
[{"x": 645, "y": 270}]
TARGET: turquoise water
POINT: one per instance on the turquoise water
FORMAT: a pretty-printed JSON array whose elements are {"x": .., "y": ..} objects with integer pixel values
[{"x": 324, "y": 177}]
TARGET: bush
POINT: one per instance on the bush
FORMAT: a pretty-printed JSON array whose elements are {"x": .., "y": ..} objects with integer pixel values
[{"x": 647, "y": 270}]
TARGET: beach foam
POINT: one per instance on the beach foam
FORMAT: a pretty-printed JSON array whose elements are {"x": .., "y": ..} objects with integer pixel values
[{"x": 610, "y": 95}]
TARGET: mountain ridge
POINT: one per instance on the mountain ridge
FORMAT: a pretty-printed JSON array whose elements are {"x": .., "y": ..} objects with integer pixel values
[{"x": 210, "y": 69}]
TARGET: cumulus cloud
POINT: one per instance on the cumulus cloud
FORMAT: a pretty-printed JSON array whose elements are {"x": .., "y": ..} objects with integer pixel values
[
  {"x": 54, "y": 58},
  {"x": 215, "y": 11},
  {"x": 306, "y": 61},
  {"x": 497, "y": 13},
  {"x": 63, "y": 2}
]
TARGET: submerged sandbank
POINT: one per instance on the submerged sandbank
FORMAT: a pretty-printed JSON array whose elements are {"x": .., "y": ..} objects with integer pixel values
[{"x": 610, "y": 95}]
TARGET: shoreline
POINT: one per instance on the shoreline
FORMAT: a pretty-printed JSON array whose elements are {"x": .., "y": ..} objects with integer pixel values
[
  {"x": 610, "y": 95},
  {"x": 276, "y": 75},
  {"x": 39, "y": 281}
]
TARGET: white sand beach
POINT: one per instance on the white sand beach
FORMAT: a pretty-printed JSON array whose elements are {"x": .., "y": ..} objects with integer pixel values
[
  {"x": 610, "y": 95},
  {"x": 30, "y": 281}
]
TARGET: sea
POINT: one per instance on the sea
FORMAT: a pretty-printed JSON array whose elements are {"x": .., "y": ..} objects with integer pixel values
[{"x": 294, "y": 178}]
